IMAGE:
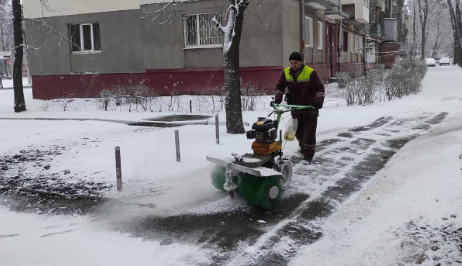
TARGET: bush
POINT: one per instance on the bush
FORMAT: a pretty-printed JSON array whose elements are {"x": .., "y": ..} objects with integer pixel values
[
  {"x": 404, "y": 78},
  {"x": 105, "y": 97},
  {"x": 343, "y": 79},
  {"x": 251, "y": 95},
  {"x": 363, "y": 89}
]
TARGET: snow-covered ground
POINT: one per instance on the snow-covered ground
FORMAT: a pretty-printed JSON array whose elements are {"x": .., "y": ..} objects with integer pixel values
[
  {"x": 420, "y": 187},
  {"x": 8, "y": 83},
  {"x": 411, "y": 210},
  {"x": 410, "y": 213}
]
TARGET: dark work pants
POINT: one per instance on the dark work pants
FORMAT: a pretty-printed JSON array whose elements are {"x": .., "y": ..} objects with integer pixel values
[{"x": 306, "y": 134}]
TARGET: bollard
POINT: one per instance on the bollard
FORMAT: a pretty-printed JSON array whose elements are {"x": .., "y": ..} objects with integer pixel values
[
  {"x": 177, "y": 144},
  {"x": 118, "y": 168},
  {"x": 217, "y": 129},
  {"x": 190, "y": 106}
]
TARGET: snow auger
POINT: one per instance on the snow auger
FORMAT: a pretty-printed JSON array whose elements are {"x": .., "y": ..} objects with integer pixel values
[{"x": 259, "y": 177}]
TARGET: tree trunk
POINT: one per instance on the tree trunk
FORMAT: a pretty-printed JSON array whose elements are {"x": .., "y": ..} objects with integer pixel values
[
  {"x": 423, "y": 13},
  {"x": 438, "y": 35},
  {"x": 414, "y": 33},
  {"x": 458, "y": 21},
  {"x": 456, "y": 32},
  {"x": 19, "y": 101},
  {"x": 233, "y": 104}
]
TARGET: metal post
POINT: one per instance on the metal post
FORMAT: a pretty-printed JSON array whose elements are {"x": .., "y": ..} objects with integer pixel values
[
  {"x": 118, "y": 168},
  {"x": 190, "y": 106},
  {"x": 217, "y": 129},
  {"x": 177, "y": 144}
]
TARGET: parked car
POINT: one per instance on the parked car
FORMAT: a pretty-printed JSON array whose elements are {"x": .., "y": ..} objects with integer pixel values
[
  {"x": 445, "y": 61},
  {"x": 430, "y": 62},
  {"x": 437, "y": 59}
]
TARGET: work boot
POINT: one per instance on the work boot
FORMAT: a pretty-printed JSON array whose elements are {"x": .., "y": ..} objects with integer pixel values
[{"x": 308, "y": 155}]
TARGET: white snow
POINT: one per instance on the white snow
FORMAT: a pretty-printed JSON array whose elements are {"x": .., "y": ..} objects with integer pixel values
[
  {"x": 29, "y": 239},
  {"x": 420, "y": 184},
  {"x": 421, "y": 180},
  {"x": 8, "y": 83}
]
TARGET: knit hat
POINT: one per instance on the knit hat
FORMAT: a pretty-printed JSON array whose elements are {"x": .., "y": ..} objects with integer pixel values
[{"x": 295, "y": 56}]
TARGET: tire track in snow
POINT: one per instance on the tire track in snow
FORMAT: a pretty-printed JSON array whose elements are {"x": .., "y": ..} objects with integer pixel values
[
  {"x": 56, "y": 233},
  {"x": 339, "y": 169},
  {"x": 9, "y": 235},
  {"x": 278, "y": 246}
]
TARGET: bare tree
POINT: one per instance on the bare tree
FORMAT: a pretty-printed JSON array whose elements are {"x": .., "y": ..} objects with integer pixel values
[
  {"x": 232, "y": 37},
  {"x": 424, "y": 11},
  {"x": 20, "y": 45},
  {"x": 414, "y": 31},
  {"x": 439, "y": 25},
  {"x": 19, "y": 101},
  {"x": 232, "y": 31},
  {"x": 6, "y": 25},
  {"x": 6, "y": 32},
  {"x": 456, "y": 21}
]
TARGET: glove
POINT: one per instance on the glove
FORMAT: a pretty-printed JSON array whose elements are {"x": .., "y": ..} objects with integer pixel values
[
  {"x": 278, "y": 100},
  {"x": 295, "y": 114}
]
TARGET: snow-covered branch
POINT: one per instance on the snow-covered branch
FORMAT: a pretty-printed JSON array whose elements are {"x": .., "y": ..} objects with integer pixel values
[
  {"x": 236, "y": 9},
  {"x": 162, "y": 7}
]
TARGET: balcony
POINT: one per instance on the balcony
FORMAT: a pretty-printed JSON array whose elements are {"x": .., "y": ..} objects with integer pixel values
[
  {"x": 336, "y": 14},
  {"x": 379, "y": 3},
  {"x": 391, "y": 29},
  {"x": 358, "y": 10},
  {"x": 322, "y": 4},
  {"x": 349, "y": 10}
]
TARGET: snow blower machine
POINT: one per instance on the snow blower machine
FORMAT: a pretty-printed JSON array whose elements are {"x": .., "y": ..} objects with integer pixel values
[{"x": 259, "y": 177}]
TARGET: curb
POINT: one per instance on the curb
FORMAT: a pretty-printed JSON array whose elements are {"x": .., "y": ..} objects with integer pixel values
[{"x": 129, "y": 123}]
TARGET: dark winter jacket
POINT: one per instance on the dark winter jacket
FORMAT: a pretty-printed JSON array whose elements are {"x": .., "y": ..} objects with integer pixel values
[{"x": 305, "y": 87}]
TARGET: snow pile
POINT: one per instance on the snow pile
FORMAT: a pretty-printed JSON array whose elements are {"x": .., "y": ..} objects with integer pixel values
[{"x": 429, "y": 242}]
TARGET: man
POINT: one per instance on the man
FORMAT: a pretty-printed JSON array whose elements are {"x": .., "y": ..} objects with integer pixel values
[{"x": 305, "y": 88}]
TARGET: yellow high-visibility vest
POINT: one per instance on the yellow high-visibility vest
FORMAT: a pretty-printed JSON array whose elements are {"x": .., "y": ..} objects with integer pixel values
[{"x": 304, "y": 76}]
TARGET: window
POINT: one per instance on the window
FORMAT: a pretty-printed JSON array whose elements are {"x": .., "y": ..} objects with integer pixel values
[
  {"x": 345, "y": 41},
  {"x": 320, "y": 35},
  {"x": 85, "y": 37},
  {"x": 200, "y": 30},
  {"x": 309, "y": 31},
  {"x": 351, "y": 43}
]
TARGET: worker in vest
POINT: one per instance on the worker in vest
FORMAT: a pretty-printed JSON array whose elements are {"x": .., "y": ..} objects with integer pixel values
[{"x": 305, "y": 88}]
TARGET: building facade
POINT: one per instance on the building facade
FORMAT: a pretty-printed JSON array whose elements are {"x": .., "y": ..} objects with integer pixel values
[{"x": 104, "y": 44}]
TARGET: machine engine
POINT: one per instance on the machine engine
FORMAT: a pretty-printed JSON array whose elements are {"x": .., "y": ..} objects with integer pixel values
[{"x": 264, "y": 131}]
